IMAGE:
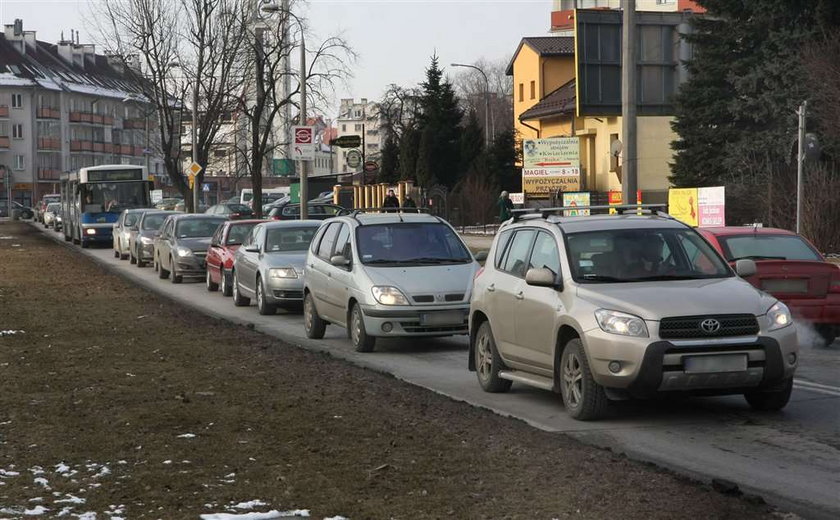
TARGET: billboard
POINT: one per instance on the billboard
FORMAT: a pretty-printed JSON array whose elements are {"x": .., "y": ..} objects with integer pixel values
[
  {"x": 682, "y": 205},
  {"x": 614, "y": 198},
  {"x": 699, "y": 207},
  {"x": 660, "y": 52},
  {"x": 574, "y": 199},
  {"x": 550, "y": 166}
]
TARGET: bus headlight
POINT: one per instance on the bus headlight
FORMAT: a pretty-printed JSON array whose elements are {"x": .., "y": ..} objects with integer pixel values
[{"x": 90, "y": 231}]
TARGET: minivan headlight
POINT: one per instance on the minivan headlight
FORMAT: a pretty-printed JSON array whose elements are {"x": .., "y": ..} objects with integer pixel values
[
  {"x": 282, "y": 272},
  {"x": 779, "y": 316},
  {"x": 387, "y": 295},
  {"x": 621, "y": 323}
]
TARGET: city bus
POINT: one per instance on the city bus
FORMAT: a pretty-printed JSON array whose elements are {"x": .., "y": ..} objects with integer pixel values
[{"x": 93, "y": 198}]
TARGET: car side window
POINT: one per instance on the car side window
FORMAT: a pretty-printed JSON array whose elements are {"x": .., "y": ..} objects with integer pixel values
[
  {"x": 328, "y": 241},
  {"x": 545, "y": 254},
  {"x": 501, "y": 245},
  {"x": 516, "y": 259},
  {"x": 342, "y": 242},
  {"x": 217, "y": 237}
]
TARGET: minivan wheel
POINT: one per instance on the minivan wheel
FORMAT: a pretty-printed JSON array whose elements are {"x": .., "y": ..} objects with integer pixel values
[
  {"x": 139, "y": 260},
  {"x": 772, "y": 400},
  {"x": 238, "y": 299},
  {"x": 209, "y": 283},
  {"x": 488, "y": 363},
  {"x": 265, "y": 308},
  {"x": 313, "y": 324},
  {"x": 227, "y": 285},
  {"x": 358, "y": 335},
  {"x": 585, "y": 399}
]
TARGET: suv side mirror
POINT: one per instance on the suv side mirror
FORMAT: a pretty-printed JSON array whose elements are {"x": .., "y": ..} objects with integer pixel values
[
  {"x": 481, "y": 256},
  {"x": 745, "y": 268},
  {"x": 339, "y": 261},
  {"x": 252, "y": 248},
  {"x": 543, "y": 278}
]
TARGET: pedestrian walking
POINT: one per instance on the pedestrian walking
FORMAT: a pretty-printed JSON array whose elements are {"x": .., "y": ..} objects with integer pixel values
[
  {"x": 391, "y": 202},
  {"x": 505, "y": 207},
  {"x": 409, "y": 206}
]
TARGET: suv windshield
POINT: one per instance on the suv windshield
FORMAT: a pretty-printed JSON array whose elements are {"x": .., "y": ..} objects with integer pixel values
[
  {"x": 767, "y": 247},
  {"x": 401, "y": 243},
  {"x": 639, "y": 255},
  {"x": 196, "y": 227},
  {"x": 284, "y": 240}
]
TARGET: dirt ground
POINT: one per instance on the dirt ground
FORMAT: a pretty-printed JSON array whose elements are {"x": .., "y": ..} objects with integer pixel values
[{"x": 116, "y": 401}]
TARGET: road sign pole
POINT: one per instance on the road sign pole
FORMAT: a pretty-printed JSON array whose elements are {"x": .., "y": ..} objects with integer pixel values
[
  {"x": 800, "y": 162},
  {"x": 304, "y": 188}
]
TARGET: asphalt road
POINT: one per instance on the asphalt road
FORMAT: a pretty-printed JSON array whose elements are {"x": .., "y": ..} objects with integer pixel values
[{"x": 790, "y": 458}]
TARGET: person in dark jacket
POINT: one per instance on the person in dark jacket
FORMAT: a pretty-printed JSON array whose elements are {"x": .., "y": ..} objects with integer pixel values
[
  {"x": 409, "y": 206},
  {"x": 391, "y": 201},
  {"x": 505, "y": 207}
]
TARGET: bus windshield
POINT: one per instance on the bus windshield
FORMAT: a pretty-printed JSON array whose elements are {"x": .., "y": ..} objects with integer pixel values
[{"x": 114, "y": 197}]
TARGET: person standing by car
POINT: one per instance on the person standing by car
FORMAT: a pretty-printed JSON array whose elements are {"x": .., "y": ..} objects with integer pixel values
[
  {"x": 409, "y": 206},
  {"x": 391, "y": 201},
  {"x": 505, "y": 207}
]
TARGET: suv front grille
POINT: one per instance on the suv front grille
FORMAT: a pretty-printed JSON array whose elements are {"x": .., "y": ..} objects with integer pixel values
[
  {"x": 430, "y": 298},
  {"x": 691, "y": 326}
]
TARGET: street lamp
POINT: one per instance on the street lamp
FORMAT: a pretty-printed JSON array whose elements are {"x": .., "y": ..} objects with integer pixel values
[{"x": 487, "y": 122}]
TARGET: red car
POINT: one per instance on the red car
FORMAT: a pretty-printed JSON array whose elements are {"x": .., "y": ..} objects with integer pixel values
[
  {"x": 790, "y": 268},
  {"x": 223, "y": 245}
]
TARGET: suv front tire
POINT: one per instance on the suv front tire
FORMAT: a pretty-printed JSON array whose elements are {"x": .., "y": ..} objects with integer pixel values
[
  {"x": 584, "y": 399},
  {"x": 488, "y": 363}
]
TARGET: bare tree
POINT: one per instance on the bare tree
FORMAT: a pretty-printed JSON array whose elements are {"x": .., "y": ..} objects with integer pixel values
[
  {"x": 202, "y": 38},
  {"x": 471, "y": 88},
  {"x": 268, "y": 44}
]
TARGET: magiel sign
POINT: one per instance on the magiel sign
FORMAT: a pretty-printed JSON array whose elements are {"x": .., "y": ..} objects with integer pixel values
[{"x": 550, "y": 166}]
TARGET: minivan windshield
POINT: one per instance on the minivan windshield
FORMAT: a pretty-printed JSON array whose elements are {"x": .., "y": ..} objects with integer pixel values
[
  {"x": 639, "y": 255},
  {"x": 757, "y": 246},
  {"x": 402, "y": 243}
]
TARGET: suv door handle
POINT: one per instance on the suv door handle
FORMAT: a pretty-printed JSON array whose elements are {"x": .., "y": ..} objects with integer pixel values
[
  {"x": 491, "y": 287},
  {"x": 520, "y": 295}
]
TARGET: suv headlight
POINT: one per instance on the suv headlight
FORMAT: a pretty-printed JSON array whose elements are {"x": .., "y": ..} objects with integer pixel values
[
  {"x": 387, "y": 295},
  {"x": 282, "y": 272},
  {"x": 183, "y": 251},
  {"x": 779, "y": 316},
  {"x": 621, "y": 323}
]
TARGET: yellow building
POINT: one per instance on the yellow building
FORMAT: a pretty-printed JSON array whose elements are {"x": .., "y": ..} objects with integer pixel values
[{"x": 544, "y": 105}]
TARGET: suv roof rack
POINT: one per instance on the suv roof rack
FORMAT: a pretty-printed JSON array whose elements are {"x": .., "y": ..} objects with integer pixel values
[
  {"x": 354, "y": 213},
  {"x": 623, "y": 209}
]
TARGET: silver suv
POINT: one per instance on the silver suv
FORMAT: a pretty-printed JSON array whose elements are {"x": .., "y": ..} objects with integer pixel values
[
  {"x": 613, "y": 306},
  {"x": 387, "y": 275}
]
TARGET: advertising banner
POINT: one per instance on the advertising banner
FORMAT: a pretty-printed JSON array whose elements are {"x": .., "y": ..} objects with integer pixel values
[
  {"x": 573, "y": 199},
  {"x": 683, "y": 205},
  {"x": 550, "y": 166},
  {"x": 614, "y": 199},
  {"x": 711, "y": 204}
]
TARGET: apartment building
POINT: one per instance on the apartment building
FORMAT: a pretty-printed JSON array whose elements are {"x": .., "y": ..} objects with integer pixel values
[
  {"x": 563, "y": 12},
  {"x": 65, "y": 107},
  {"x": 360, "y": 118}
]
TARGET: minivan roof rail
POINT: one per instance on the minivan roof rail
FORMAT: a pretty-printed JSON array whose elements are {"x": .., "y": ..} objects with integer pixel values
[{"x": 623, "y": 209}]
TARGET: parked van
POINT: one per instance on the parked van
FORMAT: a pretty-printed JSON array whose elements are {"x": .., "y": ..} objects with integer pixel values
[{"x": 247, "y": 194}]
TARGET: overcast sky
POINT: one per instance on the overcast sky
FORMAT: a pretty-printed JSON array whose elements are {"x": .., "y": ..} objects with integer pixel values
[{"x": 393, "y": 38}]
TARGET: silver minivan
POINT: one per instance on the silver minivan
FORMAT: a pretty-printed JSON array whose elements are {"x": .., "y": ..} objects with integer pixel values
[{"x": 387, "y": 275}]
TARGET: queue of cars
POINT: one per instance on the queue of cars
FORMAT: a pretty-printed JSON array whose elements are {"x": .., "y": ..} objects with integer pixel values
[{"x": 594, "y": 308}]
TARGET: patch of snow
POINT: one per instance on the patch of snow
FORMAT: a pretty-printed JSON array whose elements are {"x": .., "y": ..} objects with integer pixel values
[
  {"x": 250, "y": 504},
  {"x": 339, "y": 517},
  {"x": 62, "y": 468},
  {"x": 5, "y": 473},
  {"x": 167, "y": 462},
  {"x": 243, "y": 516},
  {"x": 10, "y": 332},
  {"x": 71, "y": 500},
  {"x": 37, "y": 499},
  {"x": 186, "y": 436},
  {"x": 41, "y": 481},
  {"x": 66, "y": 511},
  {"x": 122, "y": 462},
  {"x": 90, "y": 515},
  {"x": 36, "y": 470},
  {"x": 8, "y": 237},
  {"x": 102, "y": 472},
  {"x": 35, "y": 511},
  {"x": 303, "y": 513},
  {"x": 230, "y": 475}
]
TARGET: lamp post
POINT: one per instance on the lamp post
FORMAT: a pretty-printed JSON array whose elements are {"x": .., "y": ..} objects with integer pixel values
[{"x": 487, "y": 122}]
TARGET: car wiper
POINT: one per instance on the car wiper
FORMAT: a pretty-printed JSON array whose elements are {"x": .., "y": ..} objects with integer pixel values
[
  {"x": 601, "y": 278},
  {"x": 433, "y": 260},
  {"x": 380, "y": 261},
  {"x": 758, "y": 257},
  {"x": 660, "y": 277}
]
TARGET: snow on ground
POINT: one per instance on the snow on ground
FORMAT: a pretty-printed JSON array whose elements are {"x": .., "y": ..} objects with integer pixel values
[
  {"x": 186, "y": 436},
  {"x": 249, "y": 505},
  {"x": 300, "y": 513},
  {"x": 10, "y": 332}
]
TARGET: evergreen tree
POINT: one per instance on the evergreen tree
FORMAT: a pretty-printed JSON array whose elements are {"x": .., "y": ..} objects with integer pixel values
[
  {"x": 472, "y": 143},
  {"x": 409, "y": 152},
  {"x": 502, "y": 162},
  {"x": 389, "y": 167}
]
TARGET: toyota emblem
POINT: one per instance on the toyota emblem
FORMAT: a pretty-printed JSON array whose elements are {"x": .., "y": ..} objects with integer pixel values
[{"x": 710, "y": 326}]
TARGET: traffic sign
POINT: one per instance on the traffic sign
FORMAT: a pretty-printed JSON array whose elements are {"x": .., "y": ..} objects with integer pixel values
[
  {"x": 303, "y": 146},
  {"x": 347, "y": 141},
  {"x": 205, "y": 187},
  {"x": 195, "y": 168},
  {"x": 354, "y": 158},
  {"x": 371, "y": 166}
]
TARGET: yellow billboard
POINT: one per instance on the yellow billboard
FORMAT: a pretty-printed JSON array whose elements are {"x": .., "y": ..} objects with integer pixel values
[{"x": 683, "y": 205}]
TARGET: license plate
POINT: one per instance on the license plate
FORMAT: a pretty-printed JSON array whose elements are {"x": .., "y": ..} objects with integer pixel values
[
  {"x": 708, "y": 364},
  {"x": 785, "y": 286},
  {"x": 442, "y": 318}
]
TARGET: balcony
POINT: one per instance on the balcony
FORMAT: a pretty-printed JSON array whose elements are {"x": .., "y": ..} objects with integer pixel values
[
  {"x": 49, "y": 143},
  {"x": 48, "y": 113},
  {"x": 124, "y": 149},
  {"x": 91, "y": 118},
  {"x": 77, "y": 145},
  {"x": 4, "y": 110},
  {"x": 134, "y": 124},
  {"x": 4, "y": 142},
  {"x": 48, "y": 174}
]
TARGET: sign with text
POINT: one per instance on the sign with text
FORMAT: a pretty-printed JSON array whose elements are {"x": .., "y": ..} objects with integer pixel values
[
  {"x": 683, "y": 206},
  {"x": 615, "y": 197},
  {"x": 517, "y": 198},
  {"x": 303, "y": 143},
  {"x": 711, "y": 205},
  {"x": 157, "y": 196},
  {"x": 576, "y": 199},
  {"x": 550, "y": 166}
]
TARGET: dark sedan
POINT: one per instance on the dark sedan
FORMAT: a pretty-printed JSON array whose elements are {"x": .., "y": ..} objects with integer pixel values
[
  {"x": 181, "y": 248},
  {"x": 232, "y": 211}
]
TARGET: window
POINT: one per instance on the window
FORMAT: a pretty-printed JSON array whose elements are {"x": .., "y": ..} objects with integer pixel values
[
  {"x": 359, "y": 128},
  {"x": 343, "y": 128},
  {"x": 328, "y": 241},
  {"x": 502, "y": 243},
  {"x": 342, "y": 242},
  {"x": 239, "y": 232},
  {"x": 17, "y": 131},
  {"x": 533, "y": 89},
  {"x": 399, "y": 244},
  {"x": 545, "y": 254},
  {"x": 17, "y": 101},
  {"x": 19, "y": 162},
  {"x": 517, "y": 255},
  {"x": 284, "y": 239},
  {"x": 767, "y": 247},
  {"x": 521, "y": 92}
]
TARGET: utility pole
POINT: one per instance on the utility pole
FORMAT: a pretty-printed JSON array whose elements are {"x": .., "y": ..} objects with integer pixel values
[
  {"x": 286, "y": 16},
  {"x": 196, "y": 186},
  {"x": 304, "y": 189},
  {"x": 800, "y": 164},
  {"x": 629, "y": 167}
]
